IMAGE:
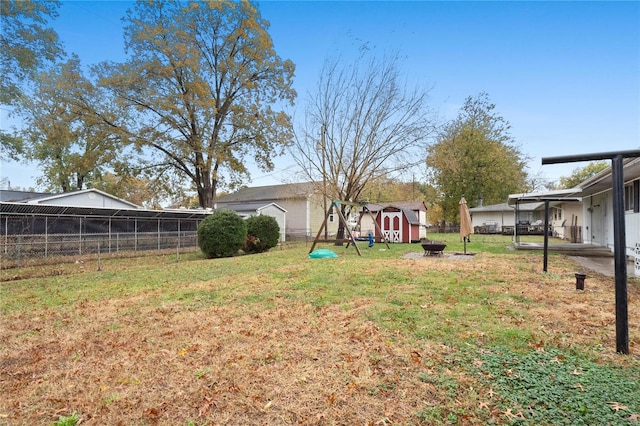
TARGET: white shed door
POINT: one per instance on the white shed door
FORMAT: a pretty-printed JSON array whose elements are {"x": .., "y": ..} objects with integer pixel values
[{"x": 392, "y": 226}]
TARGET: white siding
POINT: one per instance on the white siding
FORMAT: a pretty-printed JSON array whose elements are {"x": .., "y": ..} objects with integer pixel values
[
  {"x": 86, "y": 199},
  {"x": 279, "y": 216},
  {"x": 502, "y": 218},
  {"x": 598, "y": 223},
  {"x": 632, "y": 231}
]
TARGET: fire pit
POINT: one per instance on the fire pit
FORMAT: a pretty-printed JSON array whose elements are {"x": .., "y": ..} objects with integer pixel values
[{"x": 432, "y": 248}]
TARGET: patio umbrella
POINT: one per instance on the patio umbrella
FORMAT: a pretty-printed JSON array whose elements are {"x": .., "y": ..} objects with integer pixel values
[{"x": 466, "y": 228}]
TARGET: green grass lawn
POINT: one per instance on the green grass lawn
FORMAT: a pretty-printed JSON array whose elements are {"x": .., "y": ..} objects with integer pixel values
[{"x": 279, "y": 338}]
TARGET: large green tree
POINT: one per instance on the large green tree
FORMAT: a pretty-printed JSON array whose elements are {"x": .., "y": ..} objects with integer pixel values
[
  {"x": 65, "y": 129},
  {"x": 200, "y": 87},
  {"x": 26, "y": 45},
  {"x": 386, "y": 189},
  {"x": 475, "y": 155},
  {"x": 580, "y": 174}
]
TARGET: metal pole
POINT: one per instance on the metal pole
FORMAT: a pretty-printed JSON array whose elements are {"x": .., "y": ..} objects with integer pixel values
[
  {"x": 619, "y": 245},
  {"x": 546, "y": 235},
  {"x": 620, "y": 257},
  {"x": 591, "y": 157},
  {"x": 324, "y": 178},
  {"x": 179, "y": 236},
  {"x": 515, "y": 228}
]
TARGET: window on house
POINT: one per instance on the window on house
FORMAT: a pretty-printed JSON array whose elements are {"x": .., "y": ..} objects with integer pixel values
[
  {"x": 331, "y": 218},
  {"x": 629, "y": 201},
  {"x": 555, "y": 213}
]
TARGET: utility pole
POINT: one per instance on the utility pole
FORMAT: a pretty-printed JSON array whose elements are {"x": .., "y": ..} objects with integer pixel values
[{"x": 324, "y": 176}]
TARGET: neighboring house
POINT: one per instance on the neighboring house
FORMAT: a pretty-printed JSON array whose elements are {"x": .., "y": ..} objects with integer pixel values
[
  {"x": 88, "y": 221},
  {"x": 259, "y": 208},
  {"x": 501, "y": 218},
  {"x": 595, "y": 216},
  {"x": 303, "y": 203},
  {"x": 82, "y": 198},
  {"x": 9, "y": 196},
  {"x": 400, "y": 221},
  {"x": 566, "y": 220},
  {"x": 597, "y": 202},
  {"x": 492, "y": 219}
]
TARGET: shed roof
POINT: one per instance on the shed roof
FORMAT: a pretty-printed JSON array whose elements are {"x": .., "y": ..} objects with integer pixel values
[
  {"x": 409, "y": 205},
  {"x": 411, "y": 215}
]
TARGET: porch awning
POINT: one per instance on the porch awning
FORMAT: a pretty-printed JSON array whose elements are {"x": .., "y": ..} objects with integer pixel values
[{"x": 560, "y": 195}]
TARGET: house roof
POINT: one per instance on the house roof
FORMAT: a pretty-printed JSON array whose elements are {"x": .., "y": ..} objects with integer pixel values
[
  {"x": 596, "y": 184},
  {"x": 59, "y": 210},
  {"x": 9, "y": 196},
  {"x": 251, "y": 207},
  {"x": 59, "y": 197},
  {"x": 603, "y": 181},
  {"x": 492, "y": 208},
  {"x": 507, "y": 207},
  {"x": 539, "y": 197},
  {"x": 270, "y": 192}
]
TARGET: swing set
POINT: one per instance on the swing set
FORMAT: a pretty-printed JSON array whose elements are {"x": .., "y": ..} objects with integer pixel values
[{"x": 350, "y": 240}]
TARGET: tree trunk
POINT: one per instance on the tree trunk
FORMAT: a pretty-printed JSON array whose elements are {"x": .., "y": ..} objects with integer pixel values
[
  {"x": 341, "y": 231},
  {"x": 207, "y": 192}
]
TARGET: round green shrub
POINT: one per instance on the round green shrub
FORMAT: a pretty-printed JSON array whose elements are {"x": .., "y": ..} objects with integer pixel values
[
  {"x": 222, "y": 234},
  {"x": 263, "y": 233}
]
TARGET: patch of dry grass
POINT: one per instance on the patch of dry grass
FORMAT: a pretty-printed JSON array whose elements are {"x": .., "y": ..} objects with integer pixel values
[
  {"x": 256, "y": 347},
  {"x": 294, "y": 364}
]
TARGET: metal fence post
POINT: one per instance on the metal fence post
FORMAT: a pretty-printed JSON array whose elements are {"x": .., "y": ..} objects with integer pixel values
[{"x": 19, "y": 250}]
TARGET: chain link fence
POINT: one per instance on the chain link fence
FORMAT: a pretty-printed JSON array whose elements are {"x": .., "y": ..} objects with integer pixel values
[
  {"x": 42, "y": 234},
  {"x": 18, "y": 249}
]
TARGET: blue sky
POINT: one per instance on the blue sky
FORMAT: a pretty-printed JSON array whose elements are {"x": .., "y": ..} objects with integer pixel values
[{"x": 566, "y": 75}]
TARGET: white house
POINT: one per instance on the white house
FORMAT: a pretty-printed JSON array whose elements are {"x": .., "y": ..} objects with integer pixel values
[
  {"x": 83, "y": 198},
  {"x": 260, "y": 208},
  {"x": 597, "y": 202},
  {"x": 302, "y": 202},
  {"x": 502, "y": 218},
  {"x": 595, "y": 216},
  {"x": 493, "y": 218}
]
